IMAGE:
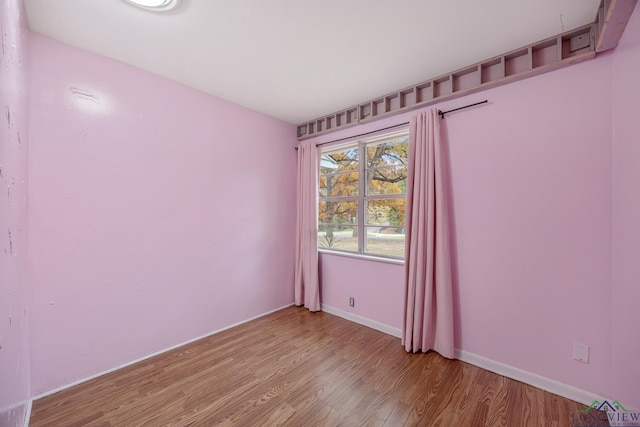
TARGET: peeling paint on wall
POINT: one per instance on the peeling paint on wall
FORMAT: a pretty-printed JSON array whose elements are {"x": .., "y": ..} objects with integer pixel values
[
  {"x": 14, "y": 349},
  {"x": 10, "y": 244}
]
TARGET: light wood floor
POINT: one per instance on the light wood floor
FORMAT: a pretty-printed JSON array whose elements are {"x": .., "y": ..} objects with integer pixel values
[{"x": 298, "y": 368}]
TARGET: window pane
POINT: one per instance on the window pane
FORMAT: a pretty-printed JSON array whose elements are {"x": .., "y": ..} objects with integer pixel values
[
  {"x": 387, "y": 241},
  {"x": 340, "y": 161},
  {"x": 378, "y": 182},
  {"x": 342, "y": 185},
  {"x": 387, "y": 180},
  {"x": 389, "y": 153},
  {"x": 339, "y": 237},
  {"x": 343, "y": 212},
  {"x": 389, "y": 212}
]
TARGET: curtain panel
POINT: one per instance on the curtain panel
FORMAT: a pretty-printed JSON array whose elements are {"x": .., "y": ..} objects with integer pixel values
[
  {"x": 428, "y": 310},
  {"x": 307, "y": 287}
]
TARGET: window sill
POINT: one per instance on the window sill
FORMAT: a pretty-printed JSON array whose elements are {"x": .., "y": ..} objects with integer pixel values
[{"x": 363, "y": 257}]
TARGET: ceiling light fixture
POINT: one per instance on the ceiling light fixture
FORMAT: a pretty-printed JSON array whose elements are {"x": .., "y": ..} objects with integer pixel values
[{"x": 155, "y": 5}]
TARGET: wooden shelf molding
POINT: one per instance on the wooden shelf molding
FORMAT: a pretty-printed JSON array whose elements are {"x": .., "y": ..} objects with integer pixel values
[{"x": 556, "y": 52}]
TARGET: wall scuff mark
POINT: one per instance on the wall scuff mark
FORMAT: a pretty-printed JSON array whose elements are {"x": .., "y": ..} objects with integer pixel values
[{"x": 85, "y": 95}]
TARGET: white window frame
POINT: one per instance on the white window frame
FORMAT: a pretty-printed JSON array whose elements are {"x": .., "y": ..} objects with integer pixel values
[{"x": 362, "y": 198}]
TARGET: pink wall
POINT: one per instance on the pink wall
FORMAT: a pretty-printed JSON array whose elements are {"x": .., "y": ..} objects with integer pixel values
[
  {"x": 14, "y": 328},
  {"x": 531, "y": 178},
  {"x": 531, "y": 188},
  {"x": 137, "y": 243},
  {"x": 157, "y": 213},
  {"x": 374, "y": 286},
  {"x": 626, "y": 217}
]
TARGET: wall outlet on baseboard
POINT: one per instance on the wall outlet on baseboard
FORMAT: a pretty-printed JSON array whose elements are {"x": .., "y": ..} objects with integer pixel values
[
  {"x": 581, "y": 352},
  {"x": 352, "y": 302}
]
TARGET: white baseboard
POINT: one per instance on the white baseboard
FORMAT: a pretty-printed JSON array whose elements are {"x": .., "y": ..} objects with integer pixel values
[
  {"x": 552, "y": 386},
  {"x": 27, "y": 416},
  {"x": 363, "y": 321},
  {"x": 157, "y": 353},
  {"x": 544, "y": 383}
]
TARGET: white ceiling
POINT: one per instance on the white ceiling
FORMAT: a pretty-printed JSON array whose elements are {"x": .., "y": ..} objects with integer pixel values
[{"x": 297, "y": 60}]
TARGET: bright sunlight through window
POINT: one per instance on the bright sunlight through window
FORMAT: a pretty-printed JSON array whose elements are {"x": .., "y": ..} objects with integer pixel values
[{"x": 362, "y": 197}]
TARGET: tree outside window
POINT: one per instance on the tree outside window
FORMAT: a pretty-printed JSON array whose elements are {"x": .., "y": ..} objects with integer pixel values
[{"x": 362, "y": 201}]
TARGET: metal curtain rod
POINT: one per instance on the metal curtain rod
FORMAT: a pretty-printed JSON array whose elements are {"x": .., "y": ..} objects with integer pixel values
[
  {"x": 440, "y": 112},
  {"x": 364, "y": 134}
]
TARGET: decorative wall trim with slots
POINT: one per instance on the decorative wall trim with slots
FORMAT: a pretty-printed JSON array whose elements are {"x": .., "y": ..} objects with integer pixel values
[
  {"x": 611, "y": 21},
  {"x": 556, "y": 52},
  {"x": 563, "y": 50}
]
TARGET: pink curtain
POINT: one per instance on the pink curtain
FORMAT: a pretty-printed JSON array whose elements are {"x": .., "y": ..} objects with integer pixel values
[
  {"x": 307, "y": 288},
  {"x": 428, "y": 311}
]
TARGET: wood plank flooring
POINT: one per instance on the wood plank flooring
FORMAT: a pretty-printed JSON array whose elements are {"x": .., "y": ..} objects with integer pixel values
[{"x": 297, "y": 368}]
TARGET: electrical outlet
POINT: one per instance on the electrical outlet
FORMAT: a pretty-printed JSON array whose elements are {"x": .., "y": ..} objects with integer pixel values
[
  {"x": 581, "y": 352},
  {"x": 352, "y": 302}
]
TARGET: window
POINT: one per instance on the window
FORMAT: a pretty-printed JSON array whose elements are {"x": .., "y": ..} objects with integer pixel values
[{"x": 362, "y": 197}]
